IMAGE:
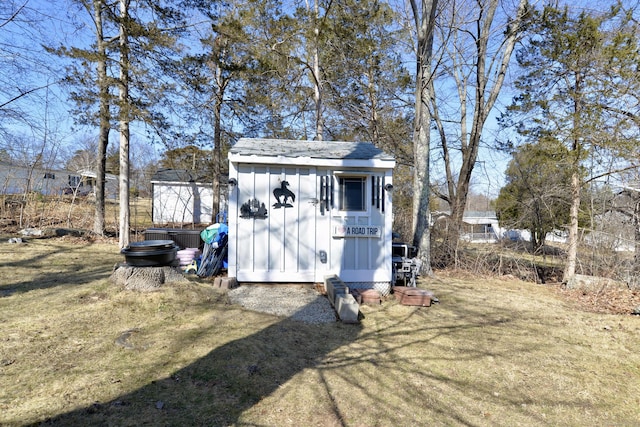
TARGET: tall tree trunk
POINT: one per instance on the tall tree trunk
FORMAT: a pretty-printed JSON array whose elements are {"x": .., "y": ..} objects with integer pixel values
[
  {"x": 374, "y": 120},
  {"x": 217, "y": 139},
  {"x": 572, "y": 249},
  {"x": 576, "y": 182},
  {"x": 636, "y": 225},
  {"x": 317, "y": 79},
  {"x": 124, "y": 125},
  {"x": 424, "y": 17},
  {"x": 459, "y": 200},
  {"x": 105, "y": 125}
]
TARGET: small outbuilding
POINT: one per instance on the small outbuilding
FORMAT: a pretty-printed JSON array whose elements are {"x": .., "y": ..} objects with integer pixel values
[
  {"x": 302, "y": 210},
  {"x": 179, "y": 197}
]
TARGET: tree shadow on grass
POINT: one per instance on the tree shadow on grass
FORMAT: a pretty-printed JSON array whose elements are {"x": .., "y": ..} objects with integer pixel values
[
  {"x": 409, "y": 366},
  {"x": 74, "y": 264},
  {"x": 216, "y": 389}
]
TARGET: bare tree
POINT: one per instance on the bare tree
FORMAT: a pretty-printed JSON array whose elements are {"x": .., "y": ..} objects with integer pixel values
[
  {"x": 93, "y": 86},
  {"x": 627, "y": 203},
  {"x": 83, "y": 156},
  {"x": 104, "y": 117},
  {"x": 27, "y": 76},
  {"x": 476, "y": 40},
  {"x": 124, "y": 218},
  {"x": 424, "y": 14}
]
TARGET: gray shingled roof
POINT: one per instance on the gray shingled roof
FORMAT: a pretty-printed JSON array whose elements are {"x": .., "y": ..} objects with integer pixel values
[
  {"x": 312, "y": 149},
  {"x": 175, "y": 175}
]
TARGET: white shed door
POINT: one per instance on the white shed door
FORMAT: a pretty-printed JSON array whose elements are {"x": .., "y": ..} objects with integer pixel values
[{"x": 276, "y": 224}]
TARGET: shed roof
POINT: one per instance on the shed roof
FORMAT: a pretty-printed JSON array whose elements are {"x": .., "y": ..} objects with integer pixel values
[
  {"x": 175, "y": 175},
  {"x": 310, "y": 152}
]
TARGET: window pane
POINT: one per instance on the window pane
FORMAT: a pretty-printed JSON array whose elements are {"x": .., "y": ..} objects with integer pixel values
[{"x": 352, "y": 194}]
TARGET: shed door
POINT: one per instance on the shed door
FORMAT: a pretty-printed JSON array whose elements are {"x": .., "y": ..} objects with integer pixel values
[{"x": 276, "y": 224}]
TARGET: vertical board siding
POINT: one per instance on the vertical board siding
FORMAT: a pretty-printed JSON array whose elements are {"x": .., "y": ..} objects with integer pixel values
[
  {"x": 285, "y": 245},
  {"x": 246, "y": 229},
  {"x": 282, "y": 244}
]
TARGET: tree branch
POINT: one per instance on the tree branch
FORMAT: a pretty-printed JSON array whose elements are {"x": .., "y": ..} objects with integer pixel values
[
  {"x": 16, "y": 13},
  {"x": 25, "y": 93}
]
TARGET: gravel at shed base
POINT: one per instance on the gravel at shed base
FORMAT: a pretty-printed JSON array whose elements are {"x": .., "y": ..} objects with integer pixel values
[{"x": 302, "y": 304}]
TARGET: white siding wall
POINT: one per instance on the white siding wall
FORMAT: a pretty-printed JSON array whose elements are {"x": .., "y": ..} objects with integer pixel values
[
  {"x": 285, "y": 245},
  {"x": 18, "y": 180},
  {"x": 279, "y": 247},
  {"x": 182, "y": 203}
]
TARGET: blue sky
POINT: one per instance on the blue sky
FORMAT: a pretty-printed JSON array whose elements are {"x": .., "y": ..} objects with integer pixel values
[{"x": 44, "y": 114}]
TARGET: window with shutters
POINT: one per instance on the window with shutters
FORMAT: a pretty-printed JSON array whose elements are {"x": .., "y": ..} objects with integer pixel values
[{"x": 352, "y": 193}]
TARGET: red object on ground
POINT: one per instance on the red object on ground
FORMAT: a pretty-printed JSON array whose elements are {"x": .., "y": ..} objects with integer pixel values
[
  {"x": 412, "y": 296},
  {"x": 366, "y": 296}
]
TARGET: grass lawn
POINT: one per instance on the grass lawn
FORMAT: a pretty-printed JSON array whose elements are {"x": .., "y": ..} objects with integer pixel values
[{"x": 77, "y": 350}]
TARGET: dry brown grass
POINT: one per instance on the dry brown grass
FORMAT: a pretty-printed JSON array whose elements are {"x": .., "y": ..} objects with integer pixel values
[{"x": 492, "y": 353}]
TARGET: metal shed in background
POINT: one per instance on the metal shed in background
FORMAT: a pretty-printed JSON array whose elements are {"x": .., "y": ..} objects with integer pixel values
[{"x": 301, "y": 210}]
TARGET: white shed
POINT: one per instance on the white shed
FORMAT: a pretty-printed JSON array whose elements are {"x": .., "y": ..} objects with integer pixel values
[
  {"x": 180, "y": 198},
  {"x": 302, "y": 210}
]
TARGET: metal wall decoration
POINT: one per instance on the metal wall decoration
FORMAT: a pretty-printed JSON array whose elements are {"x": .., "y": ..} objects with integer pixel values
[
  {"x": 377, "y": 195},
  {"x": 282, "y": 195},
  {"x": 253, "y": 208},
  {"x": 326, "y": 193}
]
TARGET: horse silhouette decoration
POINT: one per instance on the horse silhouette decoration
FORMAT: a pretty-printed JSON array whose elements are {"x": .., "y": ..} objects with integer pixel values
[{"x": 283, "y": 194}]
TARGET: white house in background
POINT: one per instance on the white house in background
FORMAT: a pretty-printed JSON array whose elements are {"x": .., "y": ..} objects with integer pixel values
[
  {"x": 180, "y": 197},
  {"x": 481, "y": 227},
  {"x": 302, "y": 210},
  {"x": 88, "y": 180},
  {"x": 16, "y": 179},
  {"x": 477, "y": 226}
]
